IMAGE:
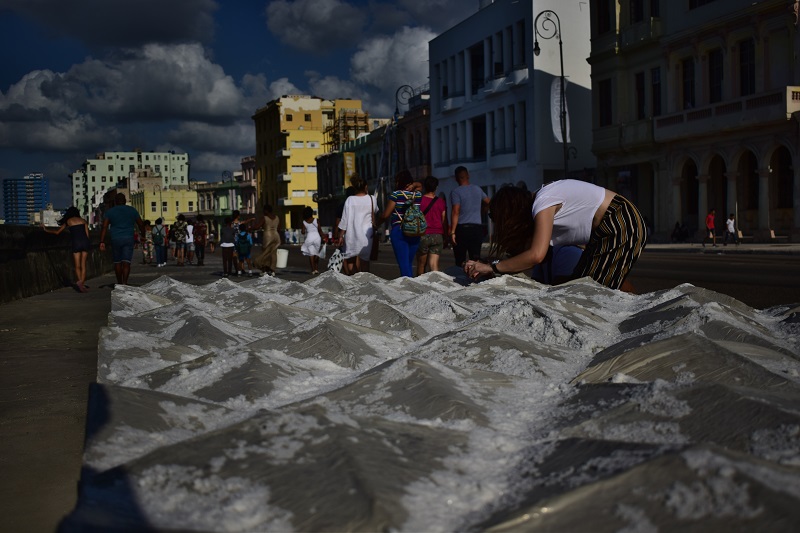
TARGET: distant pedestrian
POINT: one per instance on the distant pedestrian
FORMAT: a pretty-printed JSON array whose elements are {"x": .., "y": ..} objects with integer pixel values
[
  {"x": 268, "y": 260},
  {"x": 313, "y": 241},
  {"x": 159, "y": 237},
  {"x": 147, "y": 244},
  {"x": 710, "y": 231},
  {"x": 432, "y": 243},
  {"x": 200, "y": 239},
  {"x": 356, "y": 231},
  {"x": 227, "y": 242},
  {"x": 404, "y": 247},
  {"x": 123, "y": 220},
  {"x": 180, "y": 232},
  {"x": 189, "y": 241},
  {"x": 244, "y": 246},
  {"x": 730, "y": 231},
  {"x": 468, "y": 203},
  {"x": 79, "y": 234}
]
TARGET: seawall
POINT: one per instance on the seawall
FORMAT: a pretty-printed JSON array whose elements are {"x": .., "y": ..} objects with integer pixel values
[{"x": 34, "y": 262}]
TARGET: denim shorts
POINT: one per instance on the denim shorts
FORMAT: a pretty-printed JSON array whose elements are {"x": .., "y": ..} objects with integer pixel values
[{"x": 122, "y": 250}]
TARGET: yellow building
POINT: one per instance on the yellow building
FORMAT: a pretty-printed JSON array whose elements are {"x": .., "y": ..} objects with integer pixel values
[
  {"x": 153, "y": 202},
  {"x": 290, "y": 134}
]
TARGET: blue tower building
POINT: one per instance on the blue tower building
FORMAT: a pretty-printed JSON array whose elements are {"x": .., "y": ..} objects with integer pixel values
[{"x": 22, "y": 197}]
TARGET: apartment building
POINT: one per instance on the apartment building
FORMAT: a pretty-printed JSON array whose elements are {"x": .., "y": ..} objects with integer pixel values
[
  {"x": 696, "y": 108},
  {"x": 496, "y": 105},
  {"x": 290, "y": 134},
  {"x": 110, "y": 169},
  {"x": 24, "y": 197}
]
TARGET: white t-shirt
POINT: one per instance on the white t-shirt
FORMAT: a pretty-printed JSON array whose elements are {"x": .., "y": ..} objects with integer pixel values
[
  {"x": 579, "y": 202},
  {"x": 189, "y": 234},
  {"x": 731, "y": 226}
]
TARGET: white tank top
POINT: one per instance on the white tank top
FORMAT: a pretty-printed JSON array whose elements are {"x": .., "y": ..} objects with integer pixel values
[{"x": 579, "y": 202}]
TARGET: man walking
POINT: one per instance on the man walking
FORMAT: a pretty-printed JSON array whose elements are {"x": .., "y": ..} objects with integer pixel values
[
  {"x": 730, "y": 231},
  {"x": 122, "y": 219},
  {"x": 710, "y": 230},
  {"x": 468, "y": 203}
]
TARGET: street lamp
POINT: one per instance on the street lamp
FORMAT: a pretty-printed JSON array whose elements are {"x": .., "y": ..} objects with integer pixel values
[
  {"x": 551, "y": 27},
  {"x": 403, "y": 94}
]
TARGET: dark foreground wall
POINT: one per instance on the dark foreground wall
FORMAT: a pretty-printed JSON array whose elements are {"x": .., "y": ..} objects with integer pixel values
[{"x": 34, "y": 262}]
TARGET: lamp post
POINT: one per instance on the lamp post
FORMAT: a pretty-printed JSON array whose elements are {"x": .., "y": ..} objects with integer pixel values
[
  {"x": 550, "y": 27},
  {"x": 402, "y": 95}
]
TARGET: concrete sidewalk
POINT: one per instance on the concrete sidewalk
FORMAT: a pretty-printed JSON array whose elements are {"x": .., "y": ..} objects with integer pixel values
[{"x": 49, "y": 358}]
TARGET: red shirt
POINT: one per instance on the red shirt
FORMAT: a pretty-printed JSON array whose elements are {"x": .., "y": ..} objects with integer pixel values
[
  {"x": 710, "y": 221},
  {"x": 434, "y": 215}
]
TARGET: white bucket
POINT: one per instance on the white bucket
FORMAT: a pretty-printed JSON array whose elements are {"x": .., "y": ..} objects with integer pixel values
[{"x": 283, "y": 258}]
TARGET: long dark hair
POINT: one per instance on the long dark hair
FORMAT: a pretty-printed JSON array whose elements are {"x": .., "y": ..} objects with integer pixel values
[
  {"x": 511, "y": 211},
  {"x": 72, "y": 212}
]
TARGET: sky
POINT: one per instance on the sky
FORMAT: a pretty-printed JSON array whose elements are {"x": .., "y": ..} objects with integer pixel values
[{"x": 80, "y": 78}]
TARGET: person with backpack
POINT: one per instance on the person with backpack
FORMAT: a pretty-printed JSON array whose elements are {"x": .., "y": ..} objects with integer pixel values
[
  {"x": 407, "y": 221},
  {"x": 158, "y": 234},
  {"x": 180, "y": 232},
  {"x": 244, "y": 245},
  {"x": 313, "y": 242},
  {"x": 432, "y": 243}
]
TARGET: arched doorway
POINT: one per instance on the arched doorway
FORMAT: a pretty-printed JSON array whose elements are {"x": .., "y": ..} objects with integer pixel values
[
  {"x": 690, "y": 195},
  {"x": 747, "y": 188},
  {"x": 717, "y": 185},
  {"x": 781, "y": 186}
]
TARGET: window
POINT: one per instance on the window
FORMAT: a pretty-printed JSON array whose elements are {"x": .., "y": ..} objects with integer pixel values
[
  {"x": 164, "y": 206},
  {"x": 191, "y": 205},
  {"x": 604, "y": 101},
  {"x": 307, "y": 117},
  {"x": 92, "y": 167},
  {"x": 715, "y": 76},
  {"x": 637, "y": 11},
  {"x": 655, "y": 88},
  {"x": 298, "y": 194},
  {"x": 158, "y": 168},
  {"x": 288, "y": 117},
  {"x": 687, "y": 69},
  {"x": 604, "y": 16},
  {"x": 313, "y": 144},
  {"x": 153, "y": 207},
  {"x": 747, "y": 67},
  {"x": 298, "y": 168},
  {"x": 131, "y": 168},
  {"x": 103, "y": 179},
  {"x": 311, "y": 168},
  {"x": 297, "y": 144},
  {"x": 694, "y": 4},
  {"x": 111, "y": 168},
  {"x": 640, "y": 103}
]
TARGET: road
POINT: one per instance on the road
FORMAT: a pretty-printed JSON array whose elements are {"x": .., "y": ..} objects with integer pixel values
[{"x": 758, "y": 280}]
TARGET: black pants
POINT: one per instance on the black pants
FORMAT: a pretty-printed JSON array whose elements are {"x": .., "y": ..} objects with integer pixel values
[
  {"x": 200, "y": 252},
  {"x": 469, "y": 238}
]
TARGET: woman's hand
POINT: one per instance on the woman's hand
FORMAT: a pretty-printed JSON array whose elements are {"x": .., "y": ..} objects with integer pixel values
[{"x": 476, "y": 269}]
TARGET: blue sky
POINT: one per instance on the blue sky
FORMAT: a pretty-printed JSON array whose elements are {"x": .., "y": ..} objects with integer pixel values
[{"x": 84, "y": 77}]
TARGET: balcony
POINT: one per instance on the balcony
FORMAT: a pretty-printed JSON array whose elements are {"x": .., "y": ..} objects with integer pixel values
[
  {"x": 452, "y": 103},
  {"x": 629, "y": 136},
  {"x": 285, "y": 176},
  {"x": 495, "y": 85},
  {"x": 286, "y": 201},
  {"x": 734, "y": 115},
  {"x": 283, "y": 152},
  {"x": 518, "y": 76},
  {"x": 644, "y": 32},
  {"x": 503, "y": 159}
]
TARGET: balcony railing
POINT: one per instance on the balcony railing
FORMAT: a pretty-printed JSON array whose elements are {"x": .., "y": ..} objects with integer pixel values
[
  {"x": 647, "y": 31},
  {"x": 285, "y": 176},
  {"x": 283, "y": 152},
  {"x": 741, "y": 114}
]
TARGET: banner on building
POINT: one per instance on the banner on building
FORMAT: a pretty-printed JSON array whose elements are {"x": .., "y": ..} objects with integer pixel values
[
  {"x": 349, "y": 159},
  {"x": 555, "y": 109}
]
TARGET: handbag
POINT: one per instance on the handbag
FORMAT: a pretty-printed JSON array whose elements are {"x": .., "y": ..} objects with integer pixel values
[
  {"x": 335, "y": 262},
  {"x": 376, "y": 236},
  {"x": 323, "y": 251}
]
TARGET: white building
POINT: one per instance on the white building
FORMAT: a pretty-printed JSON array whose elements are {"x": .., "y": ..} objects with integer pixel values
[
  {"x": 108, "y": 169},
  {"x": 495, "y": 105}
]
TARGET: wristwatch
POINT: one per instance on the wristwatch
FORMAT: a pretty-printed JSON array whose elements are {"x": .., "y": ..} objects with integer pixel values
[{"x": 494, "y": 267}]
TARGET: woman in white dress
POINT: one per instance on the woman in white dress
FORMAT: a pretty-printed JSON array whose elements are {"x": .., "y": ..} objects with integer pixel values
[
  {"x": 356, "y": 226},
  {"x": 313, "y": 242}
]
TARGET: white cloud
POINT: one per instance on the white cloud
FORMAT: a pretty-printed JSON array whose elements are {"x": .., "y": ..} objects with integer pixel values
[
  {"x": 238, "y": 138},
  {"x": 317, "y": 26},
  {"x": 332, "y": 87},
  {"x": 386, "y": 62},
  {"x": 280, "y": 87}
]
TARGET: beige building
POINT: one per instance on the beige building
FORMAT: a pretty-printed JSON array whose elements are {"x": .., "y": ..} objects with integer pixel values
[
  {"x": 290, "y": 134},
  {"x": 153, "y": 200},
  {"x": 696, "y": 107}
]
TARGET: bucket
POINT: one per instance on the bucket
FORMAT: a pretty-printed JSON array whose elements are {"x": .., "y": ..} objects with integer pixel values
[{"x": 283, "y": 258}]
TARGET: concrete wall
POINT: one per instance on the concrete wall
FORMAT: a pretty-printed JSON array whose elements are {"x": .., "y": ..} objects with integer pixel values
[{"x": 34, "y": 262}]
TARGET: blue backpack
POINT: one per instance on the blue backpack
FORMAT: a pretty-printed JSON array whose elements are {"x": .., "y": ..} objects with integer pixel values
[
  {"x": 413, "y": 222},
  {"x": 243, "y": 244}
]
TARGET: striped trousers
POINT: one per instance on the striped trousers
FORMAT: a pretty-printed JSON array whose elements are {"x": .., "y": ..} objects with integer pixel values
[{"x": 614, "y": 245}]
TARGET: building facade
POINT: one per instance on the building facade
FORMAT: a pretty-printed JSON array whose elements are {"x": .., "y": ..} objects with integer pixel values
[
  {"x": 696, "y": 107},
  {"x": 153, "y": 201},
  {"x": 109, "y": 169},
  {"x": 290, "y": 134},
  {"x": 24, "y": 197},
  {"x": 496, "y": 106}
]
